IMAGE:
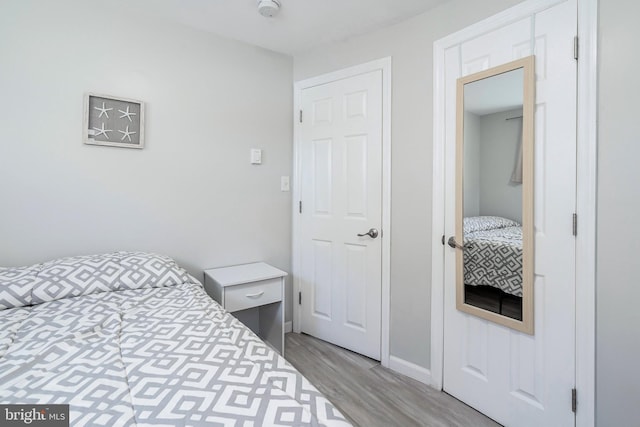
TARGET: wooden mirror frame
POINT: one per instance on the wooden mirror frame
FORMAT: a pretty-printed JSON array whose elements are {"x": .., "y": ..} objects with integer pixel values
[{"x": 528, "y": 111}]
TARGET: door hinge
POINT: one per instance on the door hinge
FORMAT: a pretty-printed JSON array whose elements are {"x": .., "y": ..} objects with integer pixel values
[
  {"x": 300, "y": 206},
  {"x": 575, "y": 224},
  {"x": 300, "y": 116},
  {"x": 299, "y": 297},
  {"x": 576, "y": 46},
  {"x": 574, "y": 400},
  {"x": 443, "y": 240}
]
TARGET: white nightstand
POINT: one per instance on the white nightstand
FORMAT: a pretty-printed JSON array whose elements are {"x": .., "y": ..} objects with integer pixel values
[{"x": 254, "y": 293}]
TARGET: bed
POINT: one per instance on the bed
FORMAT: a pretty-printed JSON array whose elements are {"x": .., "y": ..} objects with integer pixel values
[
  {"x": 131, "y": 339},
  {"x": 493, "y": 253}
]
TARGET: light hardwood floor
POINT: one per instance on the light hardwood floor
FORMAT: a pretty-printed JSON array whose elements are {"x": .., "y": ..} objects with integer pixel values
[{"x": 370, "y": 395}]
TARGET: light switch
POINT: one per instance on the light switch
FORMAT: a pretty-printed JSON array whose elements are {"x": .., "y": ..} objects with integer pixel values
[
  {"x": 284, "y": 183},
  {"x": 256, "y": 156}
]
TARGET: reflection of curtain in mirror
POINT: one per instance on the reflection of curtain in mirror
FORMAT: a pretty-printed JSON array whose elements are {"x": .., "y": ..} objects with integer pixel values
[{"x": 516, "y": 175}]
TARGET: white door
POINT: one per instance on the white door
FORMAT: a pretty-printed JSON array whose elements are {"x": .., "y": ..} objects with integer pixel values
[
  {"x": 515, "y": 378},
  {"x": 341, "y": 194}
]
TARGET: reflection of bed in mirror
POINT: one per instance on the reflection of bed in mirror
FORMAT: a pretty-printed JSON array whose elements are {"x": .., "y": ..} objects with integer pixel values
[{"x": 493, "y": 264}]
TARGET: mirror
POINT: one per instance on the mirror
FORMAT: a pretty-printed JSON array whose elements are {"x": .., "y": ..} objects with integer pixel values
[{"x": 494, "y": 194}]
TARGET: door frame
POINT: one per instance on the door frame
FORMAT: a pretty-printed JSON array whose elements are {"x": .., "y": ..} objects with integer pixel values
[
  {"x": 586, "y": 185},
  {"x": 383, "y": 64}
]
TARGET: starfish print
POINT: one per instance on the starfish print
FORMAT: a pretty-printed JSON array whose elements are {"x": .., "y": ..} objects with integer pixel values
[
  {"x": 103, "y": 110},
  {"x": 102, "y": 131},
  {"x": 127, "y": 114},
  {"x": 126, "y": 134}
]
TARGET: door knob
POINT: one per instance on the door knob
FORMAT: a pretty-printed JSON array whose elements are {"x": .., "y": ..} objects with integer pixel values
[
  {"x": 373, "y": 233},
  {"x": 452, "y": 242}
]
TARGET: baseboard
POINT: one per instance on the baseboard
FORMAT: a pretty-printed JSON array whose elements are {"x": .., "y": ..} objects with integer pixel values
[
  {"x": 410, "y": 369},
  {"x": 288, "y": 327}
]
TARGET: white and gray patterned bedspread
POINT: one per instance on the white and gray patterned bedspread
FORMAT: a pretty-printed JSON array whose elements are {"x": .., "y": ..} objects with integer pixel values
[
  {"x": 494, "y": 258},
  {"x": 142, "y": 344}
]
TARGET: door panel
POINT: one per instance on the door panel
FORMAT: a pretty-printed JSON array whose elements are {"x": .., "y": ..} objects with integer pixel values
[
  {"x": 322, "y": 269},
  {"x": 341, "y": 191},
  {"x": 497, "y": 47},
  {"x": 515, "y": 378},
  {"x": 356, "y": 285},
  {"x": 322, "y": 171},
  {"x": 356, "y": 170}
]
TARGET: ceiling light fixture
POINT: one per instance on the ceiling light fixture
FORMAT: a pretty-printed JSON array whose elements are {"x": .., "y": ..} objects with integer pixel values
[{"x": 268, "y": 8}]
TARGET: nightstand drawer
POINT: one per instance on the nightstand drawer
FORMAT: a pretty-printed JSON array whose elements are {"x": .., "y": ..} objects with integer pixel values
[{"x": 241, "y": 297}]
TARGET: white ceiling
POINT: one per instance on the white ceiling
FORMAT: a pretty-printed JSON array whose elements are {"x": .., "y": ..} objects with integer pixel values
[
  {"x": 503, "y": 92},
  {"x": 300, "y": 25}
]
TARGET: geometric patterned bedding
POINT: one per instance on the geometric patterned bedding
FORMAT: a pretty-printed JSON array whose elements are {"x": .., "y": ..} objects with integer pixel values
[
  {"x": 141, "y": 344},
  {"x": 494, "y": 258}
]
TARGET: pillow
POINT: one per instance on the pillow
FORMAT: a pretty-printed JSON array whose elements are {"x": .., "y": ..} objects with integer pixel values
[
  {"x": 88, "y": 274},
  {"x": 75, "y": 276},
  {"x": 482, "y": 223},
  {"x": 145, "y": 270},
  {"x": 16, "y": 284}
]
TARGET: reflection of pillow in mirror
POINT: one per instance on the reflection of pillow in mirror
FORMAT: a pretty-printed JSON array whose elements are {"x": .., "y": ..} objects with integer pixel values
[{"x": 481, "y": 223}]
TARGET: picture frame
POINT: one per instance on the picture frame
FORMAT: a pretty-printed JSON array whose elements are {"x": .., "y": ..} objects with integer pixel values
[{"x": 113, "y": 121}]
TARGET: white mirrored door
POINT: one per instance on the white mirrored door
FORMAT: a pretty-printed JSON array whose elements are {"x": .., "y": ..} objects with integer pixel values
[{"x": 516, "y": 378}]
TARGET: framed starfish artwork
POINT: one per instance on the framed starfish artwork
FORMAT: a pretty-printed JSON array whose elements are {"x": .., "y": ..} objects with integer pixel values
[{"x": 116, "y": 122}]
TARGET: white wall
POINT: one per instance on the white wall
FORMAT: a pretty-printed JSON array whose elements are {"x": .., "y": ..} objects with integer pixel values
[
  {"x": 471, "y": 168},
  {"x": 410, "y": 43},
  {"x": 191, "y": 193},
  {"x": 499, "y": 143},
  {"x": 490, "y": 147},
  {"x": 618, "y": 287}
]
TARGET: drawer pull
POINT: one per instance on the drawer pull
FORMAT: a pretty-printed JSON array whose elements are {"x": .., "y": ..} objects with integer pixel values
[{"x": 256, "y": 295}]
